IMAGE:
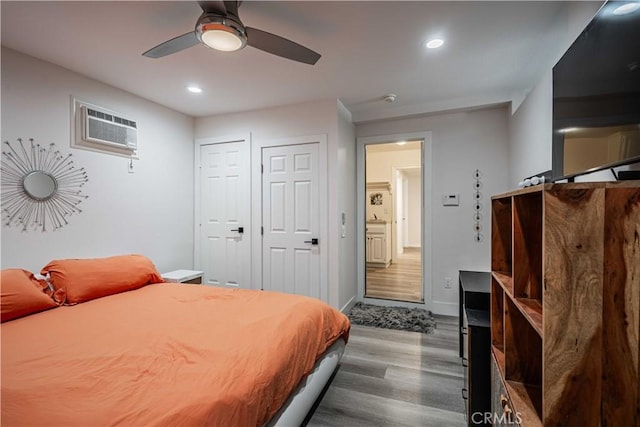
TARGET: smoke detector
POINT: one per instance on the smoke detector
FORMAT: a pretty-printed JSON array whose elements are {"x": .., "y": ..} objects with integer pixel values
[{"x": 390, "y": 97}]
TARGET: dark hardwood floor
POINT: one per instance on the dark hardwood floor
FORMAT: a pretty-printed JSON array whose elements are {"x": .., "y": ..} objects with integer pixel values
[{"x": 396, "y": 378}]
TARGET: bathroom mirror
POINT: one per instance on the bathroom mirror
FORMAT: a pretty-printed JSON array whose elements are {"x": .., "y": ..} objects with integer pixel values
[{"x": 39, "y": 185}]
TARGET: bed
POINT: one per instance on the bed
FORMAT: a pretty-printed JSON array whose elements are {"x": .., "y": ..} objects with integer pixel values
[{"x": 166, "y": 354}]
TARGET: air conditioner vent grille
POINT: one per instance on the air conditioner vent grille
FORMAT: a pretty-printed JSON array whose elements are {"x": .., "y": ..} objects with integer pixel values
[
  {"x": 102, "y": 127},
  {"x": 110, "y": 118},
  {"x": 107, "y": 132}
]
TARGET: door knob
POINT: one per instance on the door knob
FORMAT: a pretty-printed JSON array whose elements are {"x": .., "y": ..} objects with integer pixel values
[
  {"x": 239, "y": 230},
  {"x": 313, "y": 241}
]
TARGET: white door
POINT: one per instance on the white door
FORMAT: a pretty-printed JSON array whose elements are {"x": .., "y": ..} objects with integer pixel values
[
  {"x": 290, "y": 218},
  {"x": 225, "y": 196}
]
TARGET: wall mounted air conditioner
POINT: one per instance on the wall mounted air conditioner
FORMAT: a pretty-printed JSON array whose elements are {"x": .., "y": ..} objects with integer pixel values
[{"x": 103, "y": 127}]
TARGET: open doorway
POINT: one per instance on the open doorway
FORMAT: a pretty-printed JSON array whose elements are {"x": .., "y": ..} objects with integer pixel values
[{"x": 393, "y": 221}]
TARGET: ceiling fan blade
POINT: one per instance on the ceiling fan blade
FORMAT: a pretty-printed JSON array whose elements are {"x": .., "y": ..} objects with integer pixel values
[
  {"x": 217, "y": 7},
  {"x": 174, "y": 45},
  {"x": 232, "y": 7},
  {"x": 280, "y": 46}
]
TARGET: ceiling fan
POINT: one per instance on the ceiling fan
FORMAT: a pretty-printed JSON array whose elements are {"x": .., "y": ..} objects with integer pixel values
[{"x": 219, "y": 27}]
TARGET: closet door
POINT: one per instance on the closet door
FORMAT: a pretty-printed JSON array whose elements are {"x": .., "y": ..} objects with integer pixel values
[
  {"x": 225, "y": 194},
  {"x": 290, "y": 217}
]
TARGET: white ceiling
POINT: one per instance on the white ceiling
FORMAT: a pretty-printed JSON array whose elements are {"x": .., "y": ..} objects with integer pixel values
[{"x": 369, "y": 49}]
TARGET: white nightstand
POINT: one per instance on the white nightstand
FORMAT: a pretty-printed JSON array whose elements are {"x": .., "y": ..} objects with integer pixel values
[{"x": 183, "y": 276}]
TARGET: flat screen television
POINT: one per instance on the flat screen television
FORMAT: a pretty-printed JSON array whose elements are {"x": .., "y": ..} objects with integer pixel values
[{"x": 596, "y": 95}]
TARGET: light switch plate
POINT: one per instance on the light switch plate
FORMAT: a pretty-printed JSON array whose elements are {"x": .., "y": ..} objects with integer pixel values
[{"x": 451, "y": 200}]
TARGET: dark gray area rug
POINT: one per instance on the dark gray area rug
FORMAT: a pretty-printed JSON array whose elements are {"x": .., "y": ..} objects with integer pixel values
[{"x": 406, "y": 319}]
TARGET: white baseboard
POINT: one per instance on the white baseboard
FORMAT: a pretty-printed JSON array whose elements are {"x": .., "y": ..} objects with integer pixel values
[
  {"x": 445, "y": 308},
  {"x": 349, "y": 305}
]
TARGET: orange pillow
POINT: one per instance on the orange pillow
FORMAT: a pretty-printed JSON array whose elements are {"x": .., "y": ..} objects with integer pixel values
[
  {"x": 86, "y": 279},
  {"x": 22, "y": 294}
]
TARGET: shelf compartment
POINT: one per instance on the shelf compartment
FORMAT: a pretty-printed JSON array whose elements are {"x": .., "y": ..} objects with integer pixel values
[
  {"x": 523, "y": 399},
  {"x": 523, "y": 357},
  {"x": 501, "y": 238},
  {"x": 527, "y": 241},
  {"x": 531, "y": 309},
  {"x": 497, "y": 317}
]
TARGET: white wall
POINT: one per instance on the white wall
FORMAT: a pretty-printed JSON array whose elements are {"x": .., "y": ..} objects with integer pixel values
[
  {"x": 148, "y": 212},
  {"x": 530, "y": 125},
  {"x": 461, "y": 143},
  {"x": 315, "y": 118},
  {"x": 346, "y": 191},
  {"x": 380, "y": 168},
  {"x": 413, "y": 215},
  {"x": 380, "y": 164}
]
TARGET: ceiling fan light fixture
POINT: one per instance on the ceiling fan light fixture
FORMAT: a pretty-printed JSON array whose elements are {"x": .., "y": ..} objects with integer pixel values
[
  {"x": 219, "y": 27},
  {"x": 221, "y": 34},
  {"x": 222, "y": 39}
]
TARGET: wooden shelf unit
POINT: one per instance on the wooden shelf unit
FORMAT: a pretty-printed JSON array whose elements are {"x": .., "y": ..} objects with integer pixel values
[{"x": 565, "y": 303}]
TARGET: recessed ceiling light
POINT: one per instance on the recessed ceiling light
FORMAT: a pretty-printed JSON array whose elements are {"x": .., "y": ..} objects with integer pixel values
[
  {"x": 401, "y": 142},
  {"x": 626, "y": 8},
  {"x": 194, "y": 89},
  {"x": 434, "y": 43}
]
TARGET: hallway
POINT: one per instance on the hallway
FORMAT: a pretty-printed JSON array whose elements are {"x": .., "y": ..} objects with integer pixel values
[{"x": 401, "y": 281}]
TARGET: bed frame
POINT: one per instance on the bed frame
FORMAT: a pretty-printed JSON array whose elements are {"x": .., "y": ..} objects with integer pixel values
[{"x": 297, "y": 407}]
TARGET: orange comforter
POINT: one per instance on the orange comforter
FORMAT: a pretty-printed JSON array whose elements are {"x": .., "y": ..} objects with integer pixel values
[{"x": 164, "y": 354}]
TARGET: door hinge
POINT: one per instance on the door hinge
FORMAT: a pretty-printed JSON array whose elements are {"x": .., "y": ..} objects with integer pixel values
[
  {"x": 261, "y": 168},
  {"x": 262, "y": 230}
]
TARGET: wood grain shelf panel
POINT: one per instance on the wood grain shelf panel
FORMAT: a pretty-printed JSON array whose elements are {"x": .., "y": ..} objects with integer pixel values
[
  {"x": 527, "y": 402},
  {"x": 501, "y": 235},
  {"x": 527, "y": 244},
  {"x": 522, "y": 348},
  {"x": 532, "y": 310},
  {"x": 575, "y": 186},
  {"x": 498, "y": 354},
  {"x": 567, "y": 303},
  {"x": 497, "y": 316},
  {"x": 621, "y": 307},
  {"x": 572, "y": 305},
  {"x": 505, "y": 280}
]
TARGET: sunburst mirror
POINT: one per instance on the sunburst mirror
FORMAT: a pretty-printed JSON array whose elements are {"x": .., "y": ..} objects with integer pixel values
[{"x": 40, "y": 186}]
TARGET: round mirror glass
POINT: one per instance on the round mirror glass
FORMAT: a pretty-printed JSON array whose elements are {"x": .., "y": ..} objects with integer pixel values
[{"x": 39, "y": 185}]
